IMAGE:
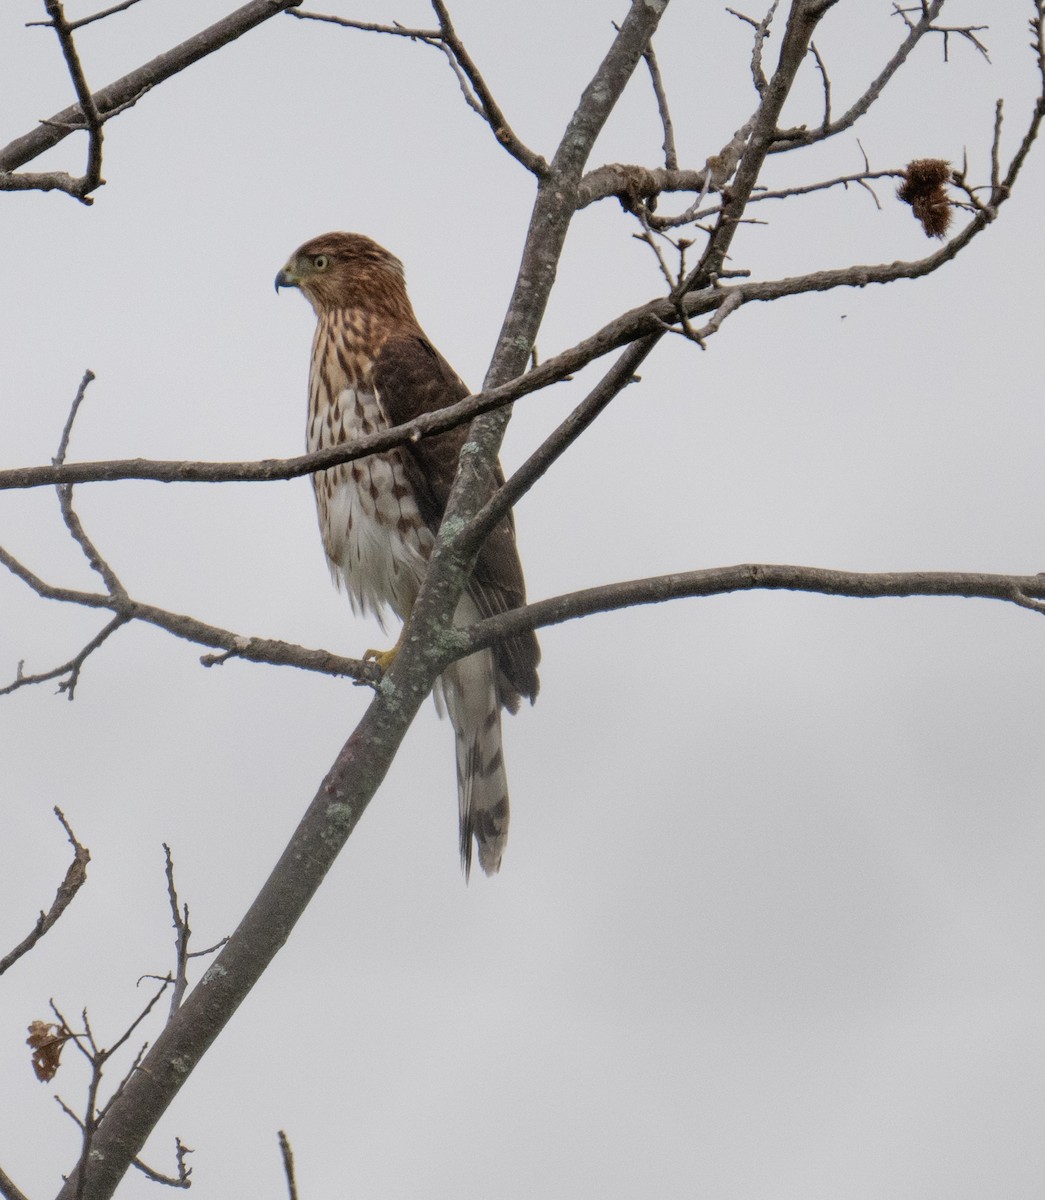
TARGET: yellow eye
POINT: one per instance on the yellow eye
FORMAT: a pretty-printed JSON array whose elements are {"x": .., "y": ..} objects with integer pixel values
[{"x": 321, "y": 262}]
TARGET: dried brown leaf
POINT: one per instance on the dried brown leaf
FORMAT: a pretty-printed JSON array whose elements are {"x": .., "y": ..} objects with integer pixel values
[{"x": 47, "y": 1040}]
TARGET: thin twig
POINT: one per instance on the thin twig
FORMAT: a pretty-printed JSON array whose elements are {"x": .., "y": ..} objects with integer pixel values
[
  {"x": 288, "y": 1165},
  {"x": 966, "y": 31},
  {"x": 69, "y": 516},
  {"x": 671, "y": 158},
  {"x": 75, "y": 878},
  {"x": 995, "y": 152},
  {"x": 92, "y": 177},
  {"x": 431, "y": 36},
  {"x": 473, "y": 86},
  {"x": 63, "y": 443},
  {"x": 761, "y": 33},
  {"x": 118, "y": 95},
  {"x": 785, "y": 139},
  {"x": 488, "y": 108},
  {"x": 100, "y": 16},
  {"x": 251, "y": 649},
  {"x": 761, "y": 28},
  {"x": 68, "y": 672},
  {"x": 826, "y": 80},
  {"x": 182, "y": 1179},
  {"x": 182, "y": 932},
  {"x": 79, "y": 24}
]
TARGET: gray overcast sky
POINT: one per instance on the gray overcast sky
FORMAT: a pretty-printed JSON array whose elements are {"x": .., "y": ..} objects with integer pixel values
[{"x": 770, "y": 924}]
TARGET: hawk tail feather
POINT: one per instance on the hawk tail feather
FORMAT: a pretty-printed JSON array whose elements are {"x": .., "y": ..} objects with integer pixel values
[{"x": 482, "y": 784}]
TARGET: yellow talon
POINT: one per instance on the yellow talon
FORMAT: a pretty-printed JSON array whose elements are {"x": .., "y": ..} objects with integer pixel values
[{"x": 385, "y": 658}]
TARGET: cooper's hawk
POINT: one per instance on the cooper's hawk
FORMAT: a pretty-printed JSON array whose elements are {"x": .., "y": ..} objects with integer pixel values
[{"x": 373, "y": 367}]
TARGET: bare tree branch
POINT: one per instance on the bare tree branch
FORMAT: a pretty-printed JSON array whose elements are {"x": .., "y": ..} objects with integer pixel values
[
  {"x": 785, "y": 139},
  {"x": 92, "y": 176},
  {"x": 488, "y": 107},
  {"x": 671, "y": 157},
  {"x": 473, "y": 86},
  {"x": 288, "y": 1165},
  {"x": 558, "y": 442},
  {"x": 75, "y": 878},
  {"x": 98, "y": 16},
  {"x": 433, "y": 642},
  {"x": 1025, "y": 591},
  {"x": 126, "y": 91},
  {"x": 826, "y": 80},
  {"x": 182, "y": 933},
  {"x": 367, "y": 755},
  {"x": 630, "y": 326},
  {"x": 183, "y": 1179},
  {"x": 67, "y": 672},
  {"x": 8, "y": 1189},
  {"x": 233, "y": 645}
]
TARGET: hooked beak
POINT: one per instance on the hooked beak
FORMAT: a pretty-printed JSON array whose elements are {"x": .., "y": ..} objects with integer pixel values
[{"x": 286, "y": 278}]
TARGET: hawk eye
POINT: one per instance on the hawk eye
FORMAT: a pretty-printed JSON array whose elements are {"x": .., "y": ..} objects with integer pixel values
[{"x": 321, "y": 262}]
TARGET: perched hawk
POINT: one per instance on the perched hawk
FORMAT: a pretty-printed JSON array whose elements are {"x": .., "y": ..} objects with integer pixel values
[{"x": 373, "y": 367}]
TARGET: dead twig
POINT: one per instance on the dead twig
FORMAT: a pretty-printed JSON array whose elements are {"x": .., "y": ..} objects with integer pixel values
[
  {"x": 91, "y": 179},
  {"x": 75, "y": 878},
  {"x": 826, "y": 81},
  {"x": 98, "y": 1057},
  {"x": 671, "y": 158},
  {"x": 288, "y": 1165},
  {"x": 182, "y": 933},
  {"x": 183, "y": 1179},
  {"x": 473, "y": 86}
]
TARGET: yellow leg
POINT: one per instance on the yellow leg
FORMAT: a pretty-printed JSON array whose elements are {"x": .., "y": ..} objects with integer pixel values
[{"x": 384, "y": 658}]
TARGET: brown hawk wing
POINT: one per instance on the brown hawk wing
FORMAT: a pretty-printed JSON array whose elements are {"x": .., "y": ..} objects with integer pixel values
[{"x": 410, "y": 378}]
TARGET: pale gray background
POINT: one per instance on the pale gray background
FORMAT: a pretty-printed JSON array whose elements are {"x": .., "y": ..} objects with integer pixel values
[{"x": 770, "y": 925}]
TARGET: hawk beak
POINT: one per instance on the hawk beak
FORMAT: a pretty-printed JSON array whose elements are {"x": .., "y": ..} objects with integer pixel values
[{"x": 286, "y": 278}]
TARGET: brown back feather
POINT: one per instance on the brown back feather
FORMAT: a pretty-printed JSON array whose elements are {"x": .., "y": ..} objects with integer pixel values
[{"x": 411, "y": 377}]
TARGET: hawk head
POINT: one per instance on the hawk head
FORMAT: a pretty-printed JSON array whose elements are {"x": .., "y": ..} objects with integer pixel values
[{"x": 347, "y": 270}]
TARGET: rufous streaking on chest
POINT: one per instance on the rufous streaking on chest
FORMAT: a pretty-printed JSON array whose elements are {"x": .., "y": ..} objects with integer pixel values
[
  {"x": 376, "y": 541},
  {"x": 373, "y": 367}
]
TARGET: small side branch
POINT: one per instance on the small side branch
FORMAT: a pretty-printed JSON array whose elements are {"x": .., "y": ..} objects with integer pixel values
[
  {"x": 474, "y": 88},
  {"x": 91, "y": 179},
  {"x": 98, "y": 1058},
  {"x": 968, "y": 32},
  {"x": 232, "y": 645},
  {"x": 484, "y": 103},
  {"x": 609, "y": 387},
  {"x": 761, "y": 28},
  {"x": 118, "y": 96},
  {"x": 671, "y": 158},
  {"x": 288, "y": 1165},
  {"x": 75, "y": 878},
  {"x": 67, "y": 673},
  {"x": 182, "y": 933},
  {"x": 183, "y": 1179},
  {"x": 100, "y": 16},
  {"x": 786, "y": 139},
  {"x": 826, "y": 80}
]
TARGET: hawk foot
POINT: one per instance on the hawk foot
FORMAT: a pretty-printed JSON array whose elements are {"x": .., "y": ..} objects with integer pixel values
[{"x": 383, "y": 659}]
